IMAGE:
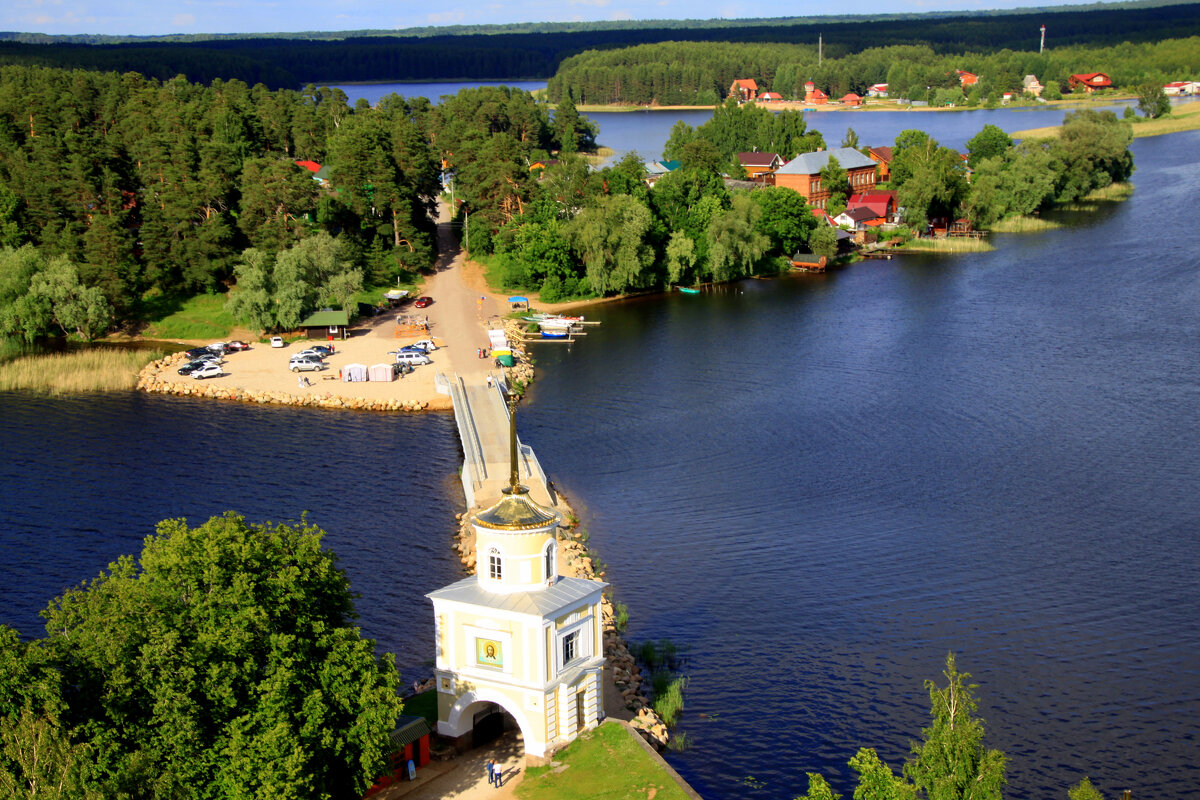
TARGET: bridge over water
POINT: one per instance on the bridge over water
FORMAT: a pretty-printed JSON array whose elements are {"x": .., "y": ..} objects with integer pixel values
[{"x": 482, "y": 417}]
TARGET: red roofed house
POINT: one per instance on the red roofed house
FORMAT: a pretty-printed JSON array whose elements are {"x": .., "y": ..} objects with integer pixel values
[
  {"x": 320, "y": 174},
  {"x": 770, "y": 97},
  {"x": 757, "y": 164},
  {"x": 878, "y": 90},
  {"x": 967, "y": 78},
  {"x": 1090, "y": 81},
  {"x": 883, "y": 157},
  {"x": 743, "y": 89},
  {"x": 814, "y": 95},
  {"x": 882, "y": 203},
  {"x": 851, "y": 99}
]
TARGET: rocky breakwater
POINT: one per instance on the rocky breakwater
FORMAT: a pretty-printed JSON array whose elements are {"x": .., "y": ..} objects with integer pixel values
[
  {"x": 577, "y": 560},
  {"x": 160, "y": 377}
]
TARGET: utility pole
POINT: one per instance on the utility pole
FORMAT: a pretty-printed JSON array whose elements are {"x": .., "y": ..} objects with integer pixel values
[
  {"x": 820, "y": 48},
  {"x": 1042, "y": 46}
]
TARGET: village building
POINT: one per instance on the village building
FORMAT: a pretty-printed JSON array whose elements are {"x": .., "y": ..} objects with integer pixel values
[
  {"x": 803, "y": 173},
  {"x": 1032, "y": 85},
  {"x": 814, "y": 95},
  {"x": 883, "y": 157},
  {"x": 656, "y": 169},
  {"x": 757, "y": 164},
  {"x": 320, "y": 173},
  {"x": 770, "y": 97},
  {"x": 881, "y": 202},
  {"x": 855, "y": 218},
  {"x": 966, "y": 79},
  {"x": 851, "y": 99},
  {"x": 1090, "y": 81},
  {"x": 327, "y": 324},
  {"x": 743, "y": 89},
  {"x": 1181, "y": 88},
  {"x": 878, "y": 90},
  {"x": 517, "y": 641}
]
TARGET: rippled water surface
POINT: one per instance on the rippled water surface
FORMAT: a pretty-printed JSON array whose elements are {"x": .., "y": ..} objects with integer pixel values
[
  {"x": 820, "y": 485},
  {"x": 817, "y": 486},
  {"x": 86, "y": 479}
]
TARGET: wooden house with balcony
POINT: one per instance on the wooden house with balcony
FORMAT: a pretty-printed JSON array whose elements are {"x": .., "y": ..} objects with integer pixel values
[{"x": 803, "y": 173}]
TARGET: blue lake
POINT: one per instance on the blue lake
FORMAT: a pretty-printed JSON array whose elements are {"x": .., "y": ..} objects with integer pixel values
[{"x": 816, "y": 485}]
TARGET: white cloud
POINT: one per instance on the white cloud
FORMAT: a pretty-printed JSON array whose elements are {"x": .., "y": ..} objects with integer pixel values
[
  {"x": 596, "y": 3},
  {"x": 183, "y": 20}
]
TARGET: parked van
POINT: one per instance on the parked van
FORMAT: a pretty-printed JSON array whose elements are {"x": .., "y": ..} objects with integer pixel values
[{"x": 412, "y": 358}]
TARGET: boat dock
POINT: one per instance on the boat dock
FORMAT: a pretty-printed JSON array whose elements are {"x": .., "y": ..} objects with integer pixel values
[{"x": 482, "y": 419}]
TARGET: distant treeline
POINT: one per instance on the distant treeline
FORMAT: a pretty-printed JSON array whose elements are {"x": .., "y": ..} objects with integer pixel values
[
  {"x": 693, "y": 73},
  {"x": 426, "y": 55}
]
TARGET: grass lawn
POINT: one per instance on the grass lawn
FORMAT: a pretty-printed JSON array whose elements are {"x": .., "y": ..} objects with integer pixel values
[
  {"x": 1182, "y": 118},
  {"x": 602, "y": 763},
  {"x": 954, "y": 244},
  {"x": 423, "y": 705},
  {"x": 200, "y": 317}
]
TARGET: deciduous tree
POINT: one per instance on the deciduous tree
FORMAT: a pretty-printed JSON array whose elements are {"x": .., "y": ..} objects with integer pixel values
[{"x": 225, "y": 657}]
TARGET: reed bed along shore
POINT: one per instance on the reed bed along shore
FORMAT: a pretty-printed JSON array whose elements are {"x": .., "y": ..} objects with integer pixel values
[
  {"x": 1024, "y": 224},
  {"x": 952, "y": 244},
  {"x": 97, "y": 370}
]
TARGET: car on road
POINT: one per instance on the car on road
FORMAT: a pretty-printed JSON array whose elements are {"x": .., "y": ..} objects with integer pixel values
[
  {"x": 195, "y": 364},
  {"x": 423, "y": 302},
  {"x": 306, "y": 365},
  {"x": 208, "y": 371},
  {"x": 277, "y": 341}
]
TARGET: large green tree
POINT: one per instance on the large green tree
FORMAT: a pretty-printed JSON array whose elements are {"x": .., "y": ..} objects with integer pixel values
[{"x": 222, "y": 663}]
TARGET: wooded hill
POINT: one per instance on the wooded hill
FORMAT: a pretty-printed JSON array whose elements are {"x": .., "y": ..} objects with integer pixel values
[
  {"x": 433, "y": 54},
  {"x": 692, "y": 73}
]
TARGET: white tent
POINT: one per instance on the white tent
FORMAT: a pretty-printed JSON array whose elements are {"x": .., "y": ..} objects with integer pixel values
[
  {"x": 382, "y": 372},
  {"x": 354, "y": 372}
]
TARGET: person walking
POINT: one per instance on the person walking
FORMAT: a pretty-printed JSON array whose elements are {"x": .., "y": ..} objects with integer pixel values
[
  {"x": 491, "y": 772},
  {"x": 498, "y": 774}
]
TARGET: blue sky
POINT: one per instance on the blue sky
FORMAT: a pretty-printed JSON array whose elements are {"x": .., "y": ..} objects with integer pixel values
[{"x": 150, "y": 17}]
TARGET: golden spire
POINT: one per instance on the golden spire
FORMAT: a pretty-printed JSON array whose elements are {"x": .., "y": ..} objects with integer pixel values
[{"x": 516, "y": 511}]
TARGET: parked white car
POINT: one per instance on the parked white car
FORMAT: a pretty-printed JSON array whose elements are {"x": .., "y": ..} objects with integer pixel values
[
  {"x": 277, "y": 341},
  {"x": 306, "y": 364},
  {"x": 425, "y": 344},
  {"x": 208, "y": 371}
]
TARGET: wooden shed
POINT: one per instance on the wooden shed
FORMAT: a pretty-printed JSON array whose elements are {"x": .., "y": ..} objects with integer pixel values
[{"x": 326, "y": 325}]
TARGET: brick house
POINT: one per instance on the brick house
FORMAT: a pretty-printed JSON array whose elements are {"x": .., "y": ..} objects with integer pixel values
[
  {"x": 966, "y": 79},
  {"x": 803, "y": 173},
  {"x": 1090, "y": 81},
  {"x": 743, "y": 89},
  {"x": 851, "y": 99},
  {"x": 756, "y": 163}
]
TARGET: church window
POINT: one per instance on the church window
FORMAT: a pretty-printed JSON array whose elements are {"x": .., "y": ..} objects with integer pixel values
[
  {"x": 570, "y": 647},
  {"x": 495, "y": 565},
  {"x": 550, "y": 565}
]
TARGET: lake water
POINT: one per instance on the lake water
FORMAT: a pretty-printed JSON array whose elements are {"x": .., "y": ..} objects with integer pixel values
[{"x": 817, "y": 486}]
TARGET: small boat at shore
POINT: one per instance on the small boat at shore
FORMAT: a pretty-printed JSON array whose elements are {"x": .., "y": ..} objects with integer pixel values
[
  {"x": 688, "y": 290},
  {"x": 539, "y": 317},
  {"x": 555, "y": 334}
]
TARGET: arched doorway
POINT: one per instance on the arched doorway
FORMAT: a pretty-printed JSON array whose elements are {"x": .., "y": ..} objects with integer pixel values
[{"x": 481, "y": 716}]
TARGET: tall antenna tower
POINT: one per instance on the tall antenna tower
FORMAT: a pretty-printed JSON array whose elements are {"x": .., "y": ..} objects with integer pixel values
[
  {"x": 1042, "y": 46},
  {"x": 821, "y": 47}
]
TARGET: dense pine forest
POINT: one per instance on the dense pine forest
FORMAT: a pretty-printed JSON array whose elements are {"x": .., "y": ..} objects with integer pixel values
[
  {"x": 536, "y": 51},
  {"x": 117, "y": 191}
]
